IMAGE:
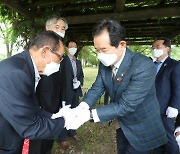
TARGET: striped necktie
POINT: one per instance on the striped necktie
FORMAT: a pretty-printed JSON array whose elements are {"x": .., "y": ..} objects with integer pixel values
[{"x": 114, "y": 72}]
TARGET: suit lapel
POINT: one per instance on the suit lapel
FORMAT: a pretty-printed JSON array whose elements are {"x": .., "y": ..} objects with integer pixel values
[
  {"x": 69, "y": 65},
  {"x": 109, "y": 81},
  {"x": 123, "y": 69},
  {"x": 27, "y": 56},
  {"x": 77, "y": 67},
  {"x": 163, "y": 67}
]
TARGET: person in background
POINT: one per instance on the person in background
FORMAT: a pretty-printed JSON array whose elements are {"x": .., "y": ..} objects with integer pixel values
[
  {"x": 129, "y": 78},
  {"x": 51, "y": 88},
  {"x": 177, "y": 130},
  {"x": 20, "y": 115},
  {"x": 57, "y": 24},
  {"x": 74, "y": 80},
  {"x": 167, "y": 91}
]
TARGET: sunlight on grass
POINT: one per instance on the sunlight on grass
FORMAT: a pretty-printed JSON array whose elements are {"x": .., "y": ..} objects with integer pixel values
[{"x": 90, "y": 74}]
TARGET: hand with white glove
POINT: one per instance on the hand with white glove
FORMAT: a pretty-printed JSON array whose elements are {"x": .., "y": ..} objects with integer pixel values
[
  {"x": 67, "y": 113},
  {"x": 171, "y": 112},
  {"x": 95, "y": 117},
  {"x": 83, "y": 115},
  {"x": 63, "y": 103},
  {"x": 61, "y": 112},
  {"x": 76, "y": 84},
  {"x": 83, "y": 105}
]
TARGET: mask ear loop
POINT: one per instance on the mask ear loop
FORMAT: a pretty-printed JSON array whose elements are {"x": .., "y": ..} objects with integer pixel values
[
  {"x": 50, "y": 57},
  {"x": 50, "y": 54}
]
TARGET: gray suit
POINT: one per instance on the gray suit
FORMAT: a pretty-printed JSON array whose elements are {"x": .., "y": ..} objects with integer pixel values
[{"x": 133, "y": 101}]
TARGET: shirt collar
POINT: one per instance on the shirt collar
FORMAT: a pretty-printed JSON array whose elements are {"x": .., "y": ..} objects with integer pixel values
[
  {"x": 71, "y": 58},
  {"x": 162, "y": 61},
  {"x": 37, "y": 76},
  {"x": 117, "y": 65}
]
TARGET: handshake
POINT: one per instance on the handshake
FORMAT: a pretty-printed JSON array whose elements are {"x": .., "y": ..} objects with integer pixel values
[{"x": 75, "y": 117}]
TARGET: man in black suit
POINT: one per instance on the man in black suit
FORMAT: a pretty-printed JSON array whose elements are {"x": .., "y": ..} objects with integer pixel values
[
  {"x": 74, "y": 81},
  {"x": 167, "y": 91},
  {"x": 177, "y": 130},
  {"x": 20, "y": 116},
  {"x": 51, "y": 88}
]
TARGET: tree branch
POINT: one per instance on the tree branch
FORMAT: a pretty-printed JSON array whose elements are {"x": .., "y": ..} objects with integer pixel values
[
  {"x": 17, "y": 8},
  {"x": 120, "y": 5},
  {"x": 154, "y": 13}
]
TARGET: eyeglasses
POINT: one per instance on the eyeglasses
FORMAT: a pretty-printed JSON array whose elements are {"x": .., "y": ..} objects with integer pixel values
[{"x": 57, "y": 54}]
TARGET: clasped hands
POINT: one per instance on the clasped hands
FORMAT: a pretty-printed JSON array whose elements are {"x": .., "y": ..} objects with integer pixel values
[{"x": 74, "y": 118}]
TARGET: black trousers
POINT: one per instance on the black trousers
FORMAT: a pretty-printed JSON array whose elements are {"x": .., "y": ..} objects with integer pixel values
[
  {"x": 40, "y": 146},
  {"x": 171, "y": 147},
  {"x": 74, "y": 103}
]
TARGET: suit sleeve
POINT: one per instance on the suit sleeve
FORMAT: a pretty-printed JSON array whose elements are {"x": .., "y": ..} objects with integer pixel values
[
  {"x": 140, "y": 84},
  {"x": 96, "y": 90},
  {"x": 19, "y": 108},
  {"x": 62, "y": 82},
  {"x": 175, "y": 87},
  {"x": 81, "y": 75}
]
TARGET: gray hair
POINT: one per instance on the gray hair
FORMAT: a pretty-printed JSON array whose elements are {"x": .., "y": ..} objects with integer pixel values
[
  {"x": 49, "y": 20},
  {"x": 65, "y": 22}
]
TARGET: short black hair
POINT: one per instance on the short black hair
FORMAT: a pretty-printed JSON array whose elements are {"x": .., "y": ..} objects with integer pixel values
[
  {"x": 166, "y": 42},
  {"x": 49, "y": 38},
  {"x": 71, "y": 40},
  {"x": 116, "y": 31}
]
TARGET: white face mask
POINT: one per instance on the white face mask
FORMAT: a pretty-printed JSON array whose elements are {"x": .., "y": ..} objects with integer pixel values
[
  {"x": 72, "y": 51},
  {"x": 178, "y": 140},
  {"x": 51, "y": 68},
  {"x": 61, "y": 34},
  {"x": 107, "y": 59},
  {"x": 156, "y": 53}
]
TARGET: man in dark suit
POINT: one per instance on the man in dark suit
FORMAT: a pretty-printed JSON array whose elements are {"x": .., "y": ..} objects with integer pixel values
[
  {"x": 167, "y": 91},
  {"x": 20, "y": 116},
  {"x": 51, "y": 88},
  {"x": 177, "y": 130},
  {"x": 128, "y": 77},
  {"x": 74, "y": 80}
]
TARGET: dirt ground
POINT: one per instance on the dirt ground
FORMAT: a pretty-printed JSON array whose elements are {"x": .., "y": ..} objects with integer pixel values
[{"x": 95, "y": 139}]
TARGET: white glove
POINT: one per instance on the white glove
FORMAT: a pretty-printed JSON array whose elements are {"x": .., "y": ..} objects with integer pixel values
[
  {"x": 83, "y": 105},
  {"x": 67, "y": 113},
  {"x": 171, "y": 112},
  {"x": 76, "y": 84},
  {"x": 177, "y": 130},
  {"x": 83, "y": 115},
  {"x": 63, "y": 103},
  {"x": 178, "y": 140},
  {"x": 61, "y": 112}
]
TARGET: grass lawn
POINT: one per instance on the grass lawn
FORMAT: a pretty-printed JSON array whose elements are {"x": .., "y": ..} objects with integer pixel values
[
  {"x": 95, "y": 137},
  {"x": 90, "y": 74}
]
